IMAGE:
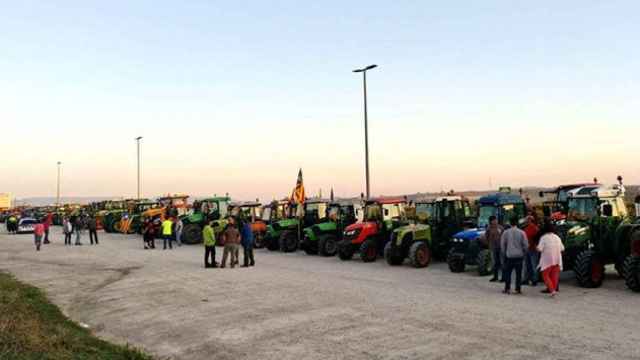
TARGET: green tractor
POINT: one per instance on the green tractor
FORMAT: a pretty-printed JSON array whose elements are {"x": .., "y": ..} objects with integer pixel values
[
  {"x": 631, "y": 268},
  {"x": 369, "y": 237},
  {"x": 598, "y": 232},
  {"x": 215, "y": 208},
  {"x": 279, "y": 215},
  {"x": 322, "y": 238},
  {"x": 112, "y": 214},
  {"x": 428, "y": 236},
  {"x": 314, "y": 211}
]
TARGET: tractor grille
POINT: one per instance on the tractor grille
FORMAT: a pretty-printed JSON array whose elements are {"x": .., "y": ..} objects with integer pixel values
[{"x": 352, "y": 235}]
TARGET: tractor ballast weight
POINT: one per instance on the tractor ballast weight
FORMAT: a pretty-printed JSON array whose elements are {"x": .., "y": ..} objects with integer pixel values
[{"x": 466, "y": 247}]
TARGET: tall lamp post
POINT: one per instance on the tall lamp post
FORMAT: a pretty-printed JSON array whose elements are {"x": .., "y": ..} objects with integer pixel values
[
  {"x": 138, "y": 153},
  {"x": 58, "y": 186},
  {"x": 366, "y": 124}
]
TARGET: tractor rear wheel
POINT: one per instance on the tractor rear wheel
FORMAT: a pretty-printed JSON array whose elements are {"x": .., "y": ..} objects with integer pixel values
[
  {"x": 345, "y": 251},
  {"x": 192, "y": 234},
  {"x": 632, "y": 272},
  {"x": 589, "y": 269},
  {"x": 392, "y": 256},
  {"x": 288, "y": 241},
  {"x": 309, "y": 247},
  {"x": 327, "y": 245},
  {"x": 419, "y": 254},
  {"x": 455, "y": 261},
  {"x": 272, "y": 243},
  {"x": 485, "y": 262},
  {"x": 368, "y": 251}
]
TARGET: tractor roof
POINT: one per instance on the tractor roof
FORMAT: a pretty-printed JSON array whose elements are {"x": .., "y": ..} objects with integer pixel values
[
  {"x": 384, "y": 201},
  {"x": 246, "y": 204},
  {"x": 217, "y": 198},
  {"x": 598, "y": 191},
  {"x": 568, "y": 187},
  {"x": 500, "y": 198},
  {"x": 342, "y": 203},
  {"x": 317, "y": 201},
  {"x": 449, "y": 198}
]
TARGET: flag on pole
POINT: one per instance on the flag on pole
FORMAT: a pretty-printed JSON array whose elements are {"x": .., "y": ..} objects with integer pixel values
[{"x": 297, "y": 196}]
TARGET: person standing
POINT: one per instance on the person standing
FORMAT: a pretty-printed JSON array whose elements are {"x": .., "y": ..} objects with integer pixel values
[
  {"x": 47, "y": 224},
  {"x": 67, "y": 229},
  {"x": 12, "y": 224},
  {"x": 167, "y": 227},
  {"x": 179, "y": 227},
  {"x": 514, "y": 245},
  {"x": 209, "y": 237},
  {"x": 551, "y": 249},
  {"x": 533, "y": 256},
  {"x": 38, "y": 233},
  {"x": 93, "y": 229},
  {"x": 492, "y": 237},
  {"x": 231, "y": 237},
  {"x": 247, "y": 244},
  {"x": 78, "y": 226}
]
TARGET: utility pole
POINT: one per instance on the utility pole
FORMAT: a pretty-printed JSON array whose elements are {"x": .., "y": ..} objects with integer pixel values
[
  {"x": 58, "y": 186},
  {"x": 138, "y": 153},
  {"x": 366, "y": 124}
]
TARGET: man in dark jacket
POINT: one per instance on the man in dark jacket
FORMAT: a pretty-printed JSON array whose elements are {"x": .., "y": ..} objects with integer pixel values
[
  {"x": 492, "y": 239},
  {"x": 247, "y": 244},
  {"x": 93, "y": 229},
  {"x": 514, "y": 246}
]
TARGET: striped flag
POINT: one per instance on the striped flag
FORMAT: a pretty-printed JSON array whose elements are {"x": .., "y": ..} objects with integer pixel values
[{"x": 297, "y": 196}]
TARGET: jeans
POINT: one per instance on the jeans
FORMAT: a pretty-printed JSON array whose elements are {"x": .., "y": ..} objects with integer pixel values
[
  {"x": 93, "y": 234},
  {"x": 78, "y": 237},
  {"x": 248, "y": 255},
  {"x": 497, "y": 262},
  {"x": 209, "y": 253},
  {"x": 230, "y": 249},
  {"x": 38, "y": 241},
  {"x": 167, "y": 238},
  {"x": 179, "y": 237},
  {"x": 46, "y": 235},
  {"x": 67, "y": 238},
  {"x": 532, "y": 260},
  {"x": 511, "y": 264}
]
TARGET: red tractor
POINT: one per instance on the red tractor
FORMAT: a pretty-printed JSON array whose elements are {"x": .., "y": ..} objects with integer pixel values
[{"x": 381, "y": 217}]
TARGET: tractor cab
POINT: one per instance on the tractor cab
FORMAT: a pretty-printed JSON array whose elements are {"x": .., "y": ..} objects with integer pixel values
[
  {"x": 252, "y": 212},
  {"x": 381, "y": 217},
  {"x": 466, "y": 247},
  {"x": 314, "y": 211},
  {"x": 133, "y": 222},
  {"x": 557, "y": 208}
]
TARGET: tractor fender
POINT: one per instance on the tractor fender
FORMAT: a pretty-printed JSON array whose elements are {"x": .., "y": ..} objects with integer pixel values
[{"x": 625, "y": 235}]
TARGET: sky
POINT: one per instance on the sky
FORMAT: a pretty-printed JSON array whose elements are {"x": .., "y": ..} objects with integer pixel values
[{"x": 234, "y": 97}]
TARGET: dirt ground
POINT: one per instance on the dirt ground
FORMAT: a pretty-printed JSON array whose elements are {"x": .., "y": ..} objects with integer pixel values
[{"x": 294, "y": 306}]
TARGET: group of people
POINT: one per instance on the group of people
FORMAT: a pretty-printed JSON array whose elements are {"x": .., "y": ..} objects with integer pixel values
[
  {"x": 237, "y": 233},
  {"x": 538, "y": 250},
  {"x": 76, "y": 225}
]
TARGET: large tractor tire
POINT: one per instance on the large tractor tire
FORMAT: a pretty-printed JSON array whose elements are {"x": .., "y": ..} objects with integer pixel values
[
  {"x": 589, "y": 269},
  {"x": 419, "y": 254},
  {"x": 117, "y": 226},
  {"x": 272, "y": 243},
  {"x": 309, "y": 247},
  {"x": 345, "y": 250},
  {"x": 192, "y": 234},
  {"x": 632, "y": 272},
  {"x": 288, "y": 241},
  {"x": 327, "y": 245},
  {"x": 393, "y": 257},
  {"x": 368, "y": 251},
  {"x": 259, "y": 242},
  {"x": 455, "y": 262},
  {"x": 485, "y": 262}
]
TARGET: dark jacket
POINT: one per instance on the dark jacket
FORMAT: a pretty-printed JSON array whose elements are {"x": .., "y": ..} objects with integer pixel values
[{"x": 247, "y": 235}]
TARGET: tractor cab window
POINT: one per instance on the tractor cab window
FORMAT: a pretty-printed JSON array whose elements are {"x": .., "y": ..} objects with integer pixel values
[
  {"x": 372, "y": 213},
  {"x": 618, "y": 206},
  {"x": 316, "y": 210},
  {"x": 512, "y": 210},
  {"x": 425, "y": 211},
  {"x": 484, "y": 213},
  {"x": 333, "y": 213},
  {"x": 582, "y": 208},
  {"x": 266, "y": 214},
  {"x": 392, "y": 211},
  {"x": 562, "y": 196}
]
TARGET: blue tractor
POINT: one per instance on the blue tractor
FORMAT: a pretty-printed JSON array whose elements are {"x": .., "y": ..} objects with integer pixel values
[{"x": 466, "y": 247}]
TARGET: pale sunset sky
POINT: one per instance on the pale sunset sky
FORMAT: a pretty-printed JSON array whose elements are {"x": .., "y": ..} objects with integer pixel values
[{"x": 235, "y": 96}]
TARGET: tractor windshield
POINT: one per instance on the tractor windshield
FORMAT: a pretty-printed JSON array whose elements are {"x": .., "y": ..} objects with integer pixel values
[
  {"x": 582, "y": 208},
  {"x": 425, "y": 211},
  {"x": 512, "y": 210},
  {"x": 373, "y": 212},
  {"x": 484, "y": 213},
  {"x": 318, "y": 210}
]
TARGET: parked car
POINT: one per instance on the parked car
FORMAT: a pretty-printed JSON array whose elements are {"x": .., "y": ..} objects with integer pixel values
[{"x": 26, "y": 225}]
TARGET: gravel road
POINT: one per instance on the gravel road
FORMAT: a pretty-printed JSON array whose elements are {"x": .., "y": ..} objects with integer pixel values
[{"x": 294, "y": 306}]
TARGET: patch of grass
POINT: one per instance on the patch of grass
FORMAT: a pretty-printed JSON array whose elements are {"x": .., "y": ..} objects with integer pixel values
[{"x": 33, "y": 328}]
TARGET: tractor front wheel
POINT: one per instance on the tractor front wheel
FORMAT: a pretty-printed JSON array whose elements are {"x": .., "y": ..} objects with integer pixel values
[
  {"x": 485, "y": 262},
  {"x": 419, "y": 254},
  {"x": 632, "y": 272},
  {"x": 192, "y": 234},
  {"x": 393, "y": 257},
  {"x": 288, "y": 241},
  {"x": 589, "y": 269},
  {"x": 345, "y": 250},
  {"x": 368, "y": 251},
  {"x": 272, "y": 243},
  {"x": 327, "y": 245},
  {"x": 455, "y": 261}
]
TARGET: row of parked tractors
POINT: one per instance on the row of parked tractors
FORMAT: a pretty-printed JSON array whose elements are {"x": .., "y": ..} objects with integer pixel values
[{"x": 593, "y": 221}]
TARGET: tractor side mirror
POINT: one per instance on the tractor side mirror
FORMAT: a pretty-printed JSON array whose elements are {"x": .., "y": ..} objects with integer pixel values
[
  {"x": 541, "y": 194},
  {"x": 607, "y": 210},
  {"x": 546, "y": 211}
]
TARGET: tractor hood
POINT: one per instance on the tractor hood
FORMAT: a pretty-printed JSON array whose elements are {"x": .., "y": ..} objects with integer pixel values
[
  {"x": 469, "y": 234},
  {"x": 361, "y": 226}
]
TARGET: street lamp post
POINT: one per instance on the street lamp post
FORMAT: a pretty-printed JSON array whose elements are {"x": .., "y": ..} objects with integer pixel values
[
  {"x": 58, "y": 186},
  {"x": 138, "y": 153},
  {"x": 366, "y": 124}
]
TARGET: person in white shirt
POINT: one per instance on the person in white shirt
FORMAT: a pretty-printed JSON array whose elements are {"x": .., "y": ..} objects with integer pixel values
[{"x": 550, "y": 248}]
